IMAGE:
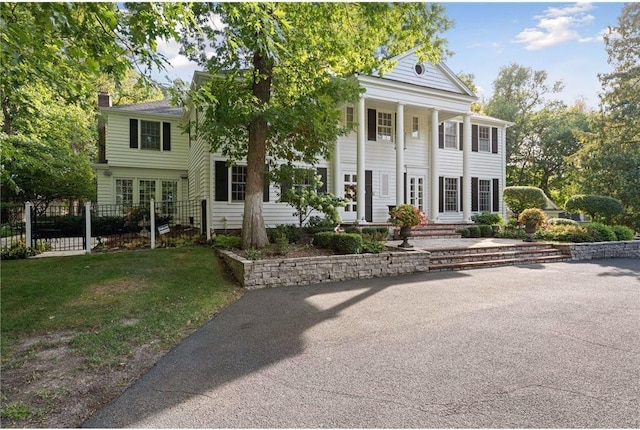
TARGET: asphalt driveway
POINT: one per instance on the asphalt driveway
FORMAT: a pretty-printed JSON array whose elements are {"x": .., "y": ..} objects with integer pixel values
[{"x": 553, "y": 345}]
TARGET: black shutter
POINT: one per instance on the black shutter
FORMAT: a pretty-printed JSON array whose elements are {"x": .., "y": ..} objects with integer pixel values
[
  {"x": 441, "y": 194},
  {"x": 496, "y": 195},
  {"x": 133, "y": 133},
  {"x": 404, "y": 198},
  {"x": 461, "y": 193},
  {"x": 494, "y": 140},
  {"x": 372, "y": 119},
  {"x": 441, "y": 136},
  {"x": 461, "y": 127},
  {"x": 474, "y": 138},
  {"x": 265, "y": 190},
  {"x": 368, "y": 195},
  {"x": 222, "y": 181},
  {"x": 166, "y": 136},
  {"x": 474, "y": 194},
  {"x": 322, "y": 172}
]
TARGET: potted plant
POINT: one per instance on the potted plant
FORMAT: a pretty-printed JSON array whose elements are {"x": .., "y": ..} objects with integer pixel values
[
  {"x": 531, "y": 218},
  {"x": 406, "y": 217}
]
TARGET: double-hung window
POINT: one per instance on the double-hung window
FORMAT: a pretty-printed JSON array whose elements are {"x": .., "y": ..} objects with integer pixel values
[
  {"x": 124, "y": 192},
  {"x": 484, "y": 139},
  {"x": 238, "y": 183},
  {"x": 415, "y": 127},
  {"x": 169, "y": 197},
  {"x": 349, "y": 117},
  {"x": 150, "y": 135},
  {"x": 450, "y": 194},
  {"x": 484, "y": 195},
  {"x": 451, "y": 135},
  {"x": 385, "y": 126}
]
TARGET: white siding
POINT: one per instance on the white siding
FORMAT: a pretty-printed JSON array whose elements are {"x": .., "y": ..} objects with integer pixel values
[{"x": 432, "y": 77}]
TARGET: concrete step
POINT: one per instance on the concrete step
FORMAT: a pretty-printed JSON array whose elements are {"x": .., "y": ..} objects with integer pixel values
[{"x": 468, "y": 258}]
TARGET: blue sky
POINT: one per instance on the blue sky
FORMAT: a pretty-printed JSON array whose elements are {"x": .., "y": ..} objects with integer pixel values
[{"x": 565, "y": 39}]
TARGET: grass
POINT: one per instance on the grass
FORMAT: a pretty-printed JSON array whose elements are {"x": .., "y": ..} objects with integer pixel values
[{"x": 112, "y": 303}]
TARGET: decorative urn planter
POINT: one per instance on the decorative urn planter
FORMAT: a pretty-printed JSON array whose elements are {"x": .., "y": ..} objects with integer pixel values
[
  {"x": 532, "y": 219},
  {"x": 406, "y": 217},
  {"x": 405, "y": 233}
]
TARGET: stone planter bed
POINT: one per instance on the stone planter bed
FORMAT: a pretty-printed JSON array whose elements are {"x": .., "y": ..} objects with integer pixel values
[{"x": 280, "y": 272}]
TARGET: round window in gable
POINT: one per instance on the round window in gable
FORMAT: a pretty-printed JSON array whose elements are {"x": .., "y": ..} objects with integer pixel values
[{"x": 419, "y": 68}]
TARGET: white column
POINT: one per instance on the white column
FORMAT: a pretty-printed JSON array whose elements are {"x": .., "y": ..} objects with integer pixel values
[
  {"x": 433, "y": 216},
  {"x": 335, "y": 167},
  {"x": 360, "y": 160},
  {"x": 87, "y": 226},
  {"x": 466, "y": 169},
  {"x": 400, "y": 154}
]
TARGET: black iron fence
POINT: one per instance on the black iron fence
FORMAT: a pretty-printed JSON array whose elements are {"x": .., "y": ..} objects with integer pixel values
[{"x": 110, "y": 227}]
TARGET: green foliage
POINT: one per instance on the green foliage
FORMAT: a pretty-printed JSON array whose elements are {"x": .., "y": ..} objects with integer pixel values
[
  {"x": 488, "y": 218},
  {"x": 485, "y": 230},
  {"x": 16, "y": 251},
  {"x": 597, "y": 207},
  {"x": 474, "y": 231},
  {"x": 347, "y": 243},
  {"x": 561, "y": 221},
  {"x": 464, "y": 232},
  {"x": 304, "y": 197},
  {"x": 623, "y": 232},
  {"x": 520, "y": 198},
  {"x": 370, "y": 246},
  {"x": 15, "y": 411},
  {"x": 511, "y": 231},
  {"x": 227, "y": 242},
  {"x": 281, "y": 244},
  {"x": 352, "y": 229},
  {"x": 376, "y": 233},
  {"x": 532, "y": 216},
  {"x": 253, "y": 254},
  {"x": 291, "y": 232},
  {"x": 564, "y": 233},
  {"x": 407, "y": 216},
  {"x": 600, "y": 232},
  {"x": 323, "y": 239}
]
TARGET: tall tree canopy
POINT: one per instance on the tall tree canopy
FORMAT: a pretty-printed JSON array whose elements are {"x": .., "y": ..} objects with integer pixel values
[
  {"x": 609, "y": 163},
  {"x": 283, "y": 69}
]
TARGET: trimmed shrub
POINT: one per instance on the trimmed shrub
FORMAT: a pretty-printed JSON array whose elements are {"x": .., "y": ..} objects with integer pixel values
[
  {"x": 561, "y": 221},
  {"x": 521, "y": 198},
  {"x": 347, "y": 243},
  {"x": 291, "y": 231},
  {"x": 464, "y": 232},
  {"x": 376, "y": 233},
  {"x": 351, "y": 229},
  {"x": 511, "y": 232},
  {"x": 372, "y": 246},
  {"x": 600, "y": 232},
  {"x": 487, "y": 218},
  {"x": 474, "y": 231},
  {"x": 227, "y": 242},
  {"x": 623, "y": 232},
  {"x": 323, "y": 239},
  {"x": 564, "y": 233},
  {"x": 485, "y": 230},
  {"x": 597, "y": 207}
]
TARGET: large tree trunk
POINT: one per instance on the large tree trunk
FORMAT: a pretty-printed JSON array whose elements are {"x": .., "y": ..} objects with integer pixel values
[{"x": 254, "y": 233}]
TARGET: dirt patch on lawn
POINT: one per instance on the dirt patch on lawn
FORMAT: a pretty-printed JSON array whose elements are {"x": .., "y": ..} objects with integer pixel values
[{"x": 46, "y": 384}]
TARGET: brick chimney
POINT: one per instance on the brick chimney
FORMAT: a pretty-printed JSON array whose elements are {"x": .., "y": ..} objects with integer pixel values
[{"x": 104, "y": 100}]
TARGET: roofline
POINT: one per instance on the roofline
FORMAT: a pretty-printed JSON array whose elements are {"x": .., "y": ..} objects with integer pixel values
[
  {"x": 425, "y": 90},
  {"x": 124, "y": 111}
]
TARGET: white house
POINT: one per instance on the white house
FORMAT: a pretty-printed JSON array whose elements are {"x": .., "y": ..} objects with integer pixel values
[{"x": 415, "y": 141}]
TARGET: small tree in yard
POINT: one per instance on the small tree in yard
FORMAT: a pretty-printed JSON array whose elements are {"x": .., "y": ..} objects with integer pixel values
[
  {"x": 600, "y": 208},
  {"x": 520, "y": 198},
  {"x": 300, "y": 190}
]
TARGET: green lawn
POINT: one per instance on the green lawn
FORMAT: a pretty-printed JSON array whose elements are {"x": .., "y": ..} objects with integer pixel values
[{"x": 113, "y": 302}]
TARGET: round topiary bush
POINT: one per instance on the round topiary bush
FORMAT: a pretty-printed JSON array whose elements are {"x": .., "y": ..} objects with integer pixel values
[
  {"x": 485, "y": 230},
  {"x": 622, "y": 232},
  {"x": 561, "y": 221},
  {"x": 597, "y": 207},
  {"x": 474, "y": 231},
  {"x": 488, "y": 218},
  {"x": 521, "y": 198}
]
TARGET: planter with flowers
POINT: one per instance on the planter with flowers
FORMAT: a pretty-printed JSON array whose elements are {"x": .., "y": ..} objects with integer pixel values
[
  {"x": 531, "y": 219},
  {"x": 406, "y": 217}
]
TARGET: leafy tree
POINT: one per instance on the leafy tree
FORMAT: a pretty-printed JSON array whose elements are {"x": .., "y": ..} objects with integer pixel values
[
  {"x": 609, "y": 163},
  {"x": 469, "y": 80},
  {"x": 519, "y": 198},
  {"x": 42, "y": 172},
  {"x": 281, "y": 71},
  {"x": 518, "y": 92},
  {"x": 599, "y": 208},
  {"x": 303, "y": 194}
]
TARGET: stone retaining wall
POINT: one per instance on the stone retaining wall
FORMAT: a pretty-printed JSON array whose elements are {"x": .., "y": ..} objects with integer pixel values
[
  {"x": 254, "y": 274},
  {"x": 588, "y": 251}
]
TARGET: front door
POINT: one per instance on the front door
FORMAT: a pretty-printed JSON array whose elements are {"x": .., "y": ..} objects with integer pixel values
[{"x": 416, "y": 191}]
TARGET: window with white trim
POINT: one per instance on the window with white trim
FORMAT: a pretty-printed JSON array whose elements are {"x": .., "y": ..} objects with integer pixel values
[
  {"x": 484, "y": 139},
  {"x": 484, "y": 195},
  {"x": 124, "y": 192},
  {"x": 147, "y": 191},
  {"x": 451, "y": 194},
  {"x": 350, "y": 181},
  {"x": 349, "y": 117},
  {"x": 415, "y": 127},
  {"x": 451, "y": 134},
  {"x": 169, "y": 197},
  {"x": 150, "y": 135},
  {"x": 385, "y": 126},
  {"x": 238, "y": 183}
]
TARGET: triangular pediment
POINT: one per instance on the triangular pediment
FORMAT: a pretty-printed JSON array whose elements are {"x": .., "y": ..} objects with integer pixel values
[{"x": 428, "y": 75}]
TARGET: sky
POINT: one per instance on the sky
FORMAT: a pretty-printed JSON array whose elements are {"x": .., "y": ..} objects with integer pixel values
[{"x": 564, "y": 39}]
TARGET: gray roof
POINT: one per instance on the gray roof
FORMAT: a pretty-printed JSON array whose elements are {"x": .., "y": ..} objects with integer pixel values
[{"x": 162, "y": 107}]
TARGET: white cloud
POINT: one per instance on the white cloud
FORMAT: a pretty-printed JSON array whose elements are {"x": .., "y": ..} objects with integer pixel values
[{"x": 556, "y": 26}]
